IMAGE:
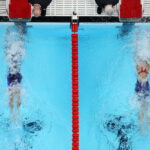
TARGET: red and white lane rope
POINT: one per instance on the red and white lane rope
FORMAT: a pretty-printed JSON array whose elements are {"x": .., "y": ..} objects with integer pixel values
[{"x": 75, "y": 89}]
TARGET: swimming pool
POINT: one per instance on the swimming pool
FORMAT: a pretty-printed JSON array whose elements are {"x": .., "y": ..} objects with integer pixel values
[{"x": 107, "y": 80}]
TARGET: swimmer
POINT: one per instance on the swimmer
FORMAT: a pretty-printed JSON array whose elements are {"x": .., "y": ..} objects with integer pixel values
[
  {"x": 143, "y": 90},
  {"x": 14, "y": 54},
  {"x": 14, "y": 81}
]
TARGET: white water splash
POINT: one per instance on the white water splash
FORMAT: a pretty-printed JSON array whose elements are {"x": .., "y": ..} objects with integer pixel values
[
  {"x": 14, "y": 50},
  {"x": 142, "y": 52}
]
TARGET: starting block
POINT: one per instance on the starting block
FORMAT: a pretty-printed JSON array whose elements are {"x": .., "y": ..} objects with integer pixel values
[
  {"x": 19, "y": 10},
  {"x": 130, "y": 10}
]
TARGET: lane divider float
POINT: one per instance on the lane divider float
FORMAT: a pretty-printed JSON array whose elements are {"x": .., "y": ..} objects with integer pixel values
[{"x": 75, "y": 84}]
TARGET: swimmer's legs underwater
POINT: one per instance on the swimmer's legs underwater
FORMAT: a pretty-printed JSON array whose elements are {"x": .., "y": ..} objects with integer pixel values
[
  {"x": 11, "y": 103},
  {"x": 144, "y": 114},
  {"x": 14, "y": 95},
  {"x": 18, "y": 103}
]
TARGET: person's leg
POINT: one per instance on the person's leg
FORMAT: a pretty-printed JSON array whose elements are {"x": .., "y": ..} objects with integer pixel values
[
  {"x": 146, "y": 111},
  {"x": 11, "y": 101},
  {"x": 18, "y": 103},
  {"x": 147, "y": 117},
  {"x": 141, "y": 119},
  {"x": 18, "y": 98}
]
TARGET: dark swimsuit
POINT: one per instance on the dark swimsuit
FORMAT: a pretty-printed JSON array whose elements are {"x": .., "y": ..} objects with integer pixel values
[
  {"x": 142, "y": 89},
  {"x": 14, "y": 79}
]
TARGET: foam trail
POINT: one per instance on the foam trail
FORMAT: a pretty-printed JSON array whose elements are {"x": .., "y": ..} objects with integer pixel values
[
  {"x": 14, "y": 49},
  {"x": 142, "y": 52}
]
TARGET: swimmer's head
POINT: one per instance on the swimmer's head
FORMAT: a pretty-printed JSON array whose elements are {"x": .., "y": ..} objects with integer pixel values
[
  {"x": 37, "y": 10},
  {"x": 109, "y": 9}
]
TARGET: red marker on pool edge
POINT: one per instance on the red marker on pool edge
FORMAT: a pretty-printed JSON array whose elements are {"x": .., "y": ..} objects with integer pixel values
[{"x": 75, "y": 88}]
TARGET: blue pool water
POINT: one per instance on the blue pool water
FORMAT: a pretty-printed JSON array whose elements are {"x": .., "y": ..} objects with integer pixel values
[
  {"x": 107, "y": 81},
  {"x": 46, "y": 96},
  {"x": 107, "y": 78}
]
